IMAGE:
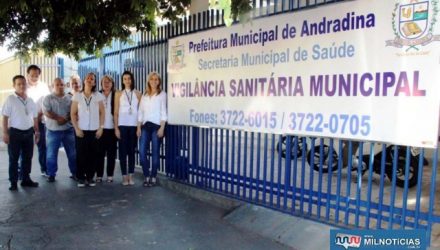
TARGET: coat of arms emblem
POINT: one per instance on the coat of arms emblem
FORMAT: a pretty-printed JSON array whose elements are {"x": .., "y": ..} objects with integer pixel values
[
  {"x": 413, "y": 23},
  {"x": 177, "y": 55}
]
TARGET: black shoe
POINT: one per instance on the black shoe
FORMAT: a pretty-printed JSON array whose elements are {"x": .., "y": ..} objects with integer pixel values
[
  {"x": 13, "y": 186},
  {"x": 29, "y": 183},
  {"x": 73, "y": 178},
  {"x": 51, "y": 179}
]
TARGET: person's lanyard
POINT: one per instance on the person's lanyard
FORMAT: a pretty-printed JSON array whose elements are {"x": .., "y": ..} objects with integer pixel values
[
  {"x": 130, "y": 99},
  {"x": 88, "y": 101},
  {"x": 24, "y": 102},
  {"x": 106, "y": 99}
]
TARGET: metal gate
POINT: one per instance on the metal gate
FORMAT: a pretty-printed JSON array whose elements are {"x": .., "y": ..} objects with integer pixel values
[
  {"x": 380, "y": 187},
  {"x": 51, "y": 67}
]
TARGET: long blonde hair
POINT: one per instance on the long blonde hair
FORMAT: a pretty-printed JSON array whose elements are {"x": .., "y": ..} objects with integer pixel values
[
  {"x": 110, "y": 78},
  {"x": 148, "y": 90}
]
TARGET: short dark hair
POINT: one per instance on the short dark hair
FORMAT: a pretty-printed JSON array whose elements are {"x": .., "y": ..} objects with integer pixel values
[
  {"x": 17, "y": 77},
  {"x": 132, "y": 79},
  {"x": 33, "y": 66}
]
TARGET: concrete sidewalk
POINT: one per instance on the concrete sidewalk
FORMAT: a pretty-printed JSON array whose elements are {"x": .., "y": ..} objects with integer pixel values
[{"x": 109, "y": 216}]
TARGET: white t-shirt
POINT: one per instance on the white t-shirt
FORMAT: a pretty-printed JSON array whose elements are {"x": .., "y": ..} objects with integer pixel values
[
  {"x": 153, "y": 109},
  {"x": 128, "y": 101},
  {"x": 88, "y": 110},
  {"x": 108, "y": 122},
  {"x": 20, "y": 112},
  {"x": 37, "y": 93}
]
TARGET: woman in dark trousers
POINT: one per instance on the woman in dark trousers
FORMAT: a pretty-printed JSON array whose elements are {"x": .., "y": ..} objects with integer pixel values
[
  {"x": 87, "y": 114},
  {"x": 125, "y": 118},
  {"x": 151, "y": 126},
  {"x": 108, "y": 141}
]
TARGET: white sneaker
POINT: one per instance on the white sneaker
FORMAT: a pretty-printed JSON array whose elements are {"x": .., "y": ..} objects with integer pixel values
[{"x": 81, "y": 184}]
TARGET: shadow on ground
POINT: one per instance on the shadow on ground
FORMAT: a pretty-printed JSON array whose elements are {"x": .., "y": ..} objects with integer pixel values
[{"x": 109, "y": 216}]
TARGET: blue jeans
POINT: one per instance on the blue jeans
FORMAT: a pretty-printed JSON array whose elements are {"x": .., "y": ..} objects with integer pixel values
[
  {"x": 53, "y": 143},
  {"x": 21, "y": 146},
  {"x": 149, "y": 134},
  {"x": 127, "y": 147}
]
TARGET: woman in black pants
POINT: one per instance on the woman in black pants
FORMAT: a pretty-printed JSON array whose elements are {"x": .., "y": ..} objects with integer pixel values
[
  {"x": 108, "y": 141},
  {"x": 88, "y": 114}
]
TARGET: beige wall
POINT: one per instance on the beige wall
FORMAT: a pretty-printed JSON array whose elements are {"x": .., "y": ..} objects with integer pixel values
[{"x": 8, "y": 69}]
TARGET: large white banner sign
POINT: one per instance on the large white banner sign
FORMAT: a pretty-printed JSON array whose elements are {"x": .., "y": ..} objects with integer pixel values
[{"x": 366, "y": 70}]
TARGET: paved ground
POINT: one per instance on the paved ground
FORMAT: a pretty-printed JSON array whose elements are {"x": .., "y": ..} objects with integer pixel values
[{"x": 61, "y": 216}]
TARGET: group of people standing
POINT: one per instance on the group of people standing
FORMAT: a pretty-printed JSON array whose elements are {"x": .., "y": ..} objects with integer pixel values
[{"x": 90, "y": 124}]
